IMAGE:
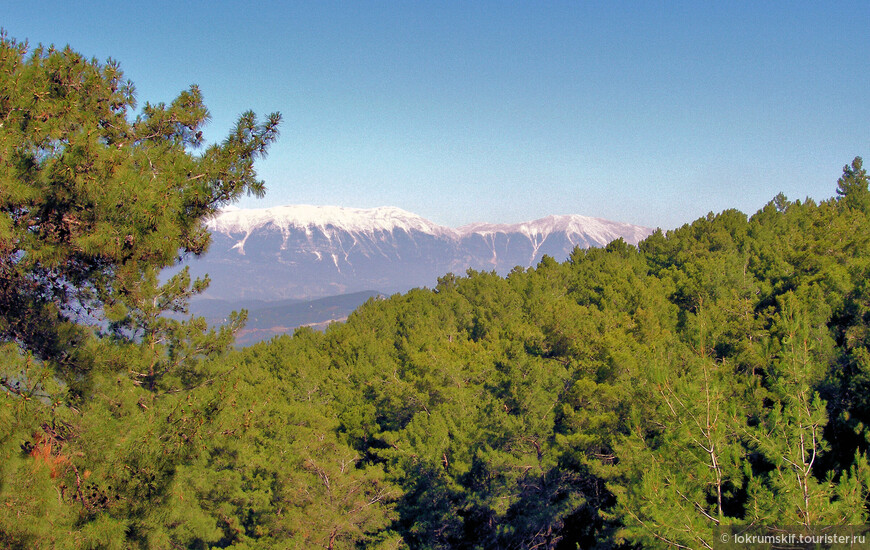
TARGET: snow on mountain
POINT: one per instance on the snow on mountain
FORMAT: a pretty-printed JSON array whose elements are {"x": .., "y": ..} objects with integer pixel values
[
  {"x": 329, "y": 219},
  {"x": 332, "y": 219},
  {"x": 304, "y": 251},
  {"x": 597, "y": 230}
]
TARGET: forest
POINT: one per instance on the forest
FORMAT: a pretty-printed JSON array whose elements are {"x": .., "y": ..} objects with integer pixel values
[{"x": 715, "y": 377}]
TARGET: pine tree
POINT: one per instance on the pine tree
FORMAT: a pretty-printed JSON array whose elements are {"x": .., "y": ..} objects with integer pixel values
[
  {"x": 852, "y": 188},
  {"x": 94, "y": 202}
]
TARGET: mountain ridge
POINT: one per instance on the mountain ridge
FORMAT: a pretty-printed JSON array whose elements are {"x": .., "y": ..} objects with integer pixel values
[{"x": 388, "y": 218}]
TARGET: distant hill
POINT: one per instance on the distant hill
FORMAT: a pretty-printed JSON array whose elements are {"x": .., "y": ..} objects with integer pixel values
[
  {"x": 268, "y": 319},
  {"x": 305, "y": 252}
]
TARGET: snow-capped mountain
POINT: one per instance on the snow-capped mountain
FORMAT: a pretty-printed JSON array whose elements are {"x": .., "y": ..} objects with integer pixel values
[{"x": 307, "y": 252}]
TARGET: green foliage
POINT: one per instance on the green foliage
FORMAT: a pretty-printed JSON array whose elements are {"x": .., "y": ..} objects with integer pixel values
[{"x": 852, "y": 187}]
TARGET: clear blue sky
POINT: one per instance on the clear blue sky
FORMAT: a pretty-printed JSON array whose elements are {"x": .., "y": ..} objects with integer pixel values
[{"x": 647, "y": 112}]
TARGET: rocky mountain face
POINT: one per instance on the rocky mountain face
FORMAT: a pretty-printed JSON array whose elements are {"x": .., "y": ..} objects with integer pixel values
[{"x": 307, "y": 252}]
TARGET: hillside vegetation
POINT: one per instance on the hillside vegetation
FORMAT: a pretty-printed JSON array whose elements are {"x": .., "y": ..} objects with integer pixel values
[{"x": 716, "y": 375}]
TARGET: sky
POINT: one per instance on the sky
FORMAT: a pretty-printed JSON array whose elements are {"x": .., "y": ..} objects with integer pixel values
[{"x": 647, "y": 112}]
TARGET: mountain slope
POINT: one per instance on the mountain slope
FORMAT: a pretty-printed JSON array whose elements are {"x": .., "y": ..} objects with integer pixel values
[{"x": 307, "y": 252}]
